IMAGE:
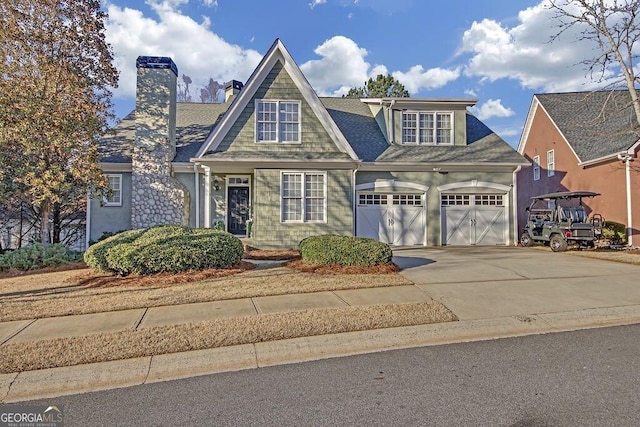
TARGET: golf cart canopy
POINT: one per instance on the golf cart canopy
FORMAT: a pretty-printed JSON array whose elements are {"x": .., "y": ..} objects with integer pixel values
[{"x": 566, "y": 195}]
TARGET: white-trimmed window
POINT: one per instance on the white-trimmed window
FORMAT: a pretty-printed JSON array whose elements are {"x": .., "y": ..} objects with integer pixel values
[
  {"x": 114, "y": 196},
  {"x": 304, "y": 197},
  {"x": 551, "y": 163},
  {"x": 277, "y": 121},
  {"x": 536, "y": 168},
  {"x": 427, "y": 128}
]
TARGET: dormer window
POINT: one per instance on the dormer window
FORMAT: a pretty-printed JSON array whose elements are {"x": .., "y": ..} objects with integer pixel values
[
  {"x": 277, "y": 121},
  {"x": 427, "y": 128}
]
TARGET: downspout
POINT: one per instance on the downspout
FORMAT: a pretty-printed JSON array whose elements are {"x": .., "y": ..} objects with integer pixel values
[
  {"x": 197, "y": 191},
  {"x": 87, "y": 233},
  {"x": 515, "y": 205},
  {"x": 354, "y": 201},
  {"x": 627, "y": 171}
]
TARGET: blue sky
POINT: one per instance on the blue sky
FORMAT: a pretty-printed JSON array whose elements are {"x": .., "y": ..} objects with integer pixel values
[{"x": 497, "y": 51}]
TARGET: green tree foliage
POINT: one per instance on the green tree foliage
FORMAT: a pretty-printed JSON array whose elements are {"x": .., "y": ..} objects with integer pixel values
[
  {"x": 56, "y": 73},
  {"x": 382, "y": 87}
]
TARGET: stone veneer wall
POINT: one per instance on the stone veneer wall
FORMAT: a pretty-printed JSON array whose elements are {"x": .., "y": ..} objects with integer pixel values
[{"x": 157, "y": 197}]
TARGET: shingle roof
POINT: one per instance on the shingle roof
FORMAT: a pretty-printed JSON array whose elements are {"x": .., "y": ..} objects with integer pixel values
[
  {"x": 359, "y": 127},
  {"x": 595, "y": 124},
  {"x": 483, "y": 146},
  {"x": 195, "y": 121}
]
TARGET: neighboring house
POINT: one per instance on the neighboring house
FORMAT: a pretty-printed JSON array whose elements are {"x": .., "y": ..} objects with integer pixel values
[
  {"x": 280, "y": 161},
  {"x": 583, "y": 141}
]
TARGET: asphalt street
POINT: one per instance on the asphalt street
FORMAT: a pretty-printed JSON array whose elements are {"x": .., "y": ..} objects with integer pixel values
[{"x": 583, "y": 378}]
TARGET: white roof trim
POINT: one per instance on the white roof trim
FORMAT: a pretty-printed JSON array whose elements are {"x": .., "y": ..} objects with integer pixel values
[
  {"x": 276, "y": 53},
  {"x": 525, "y": 133},
  {"x": 474, "y": 183},
  {"x": 391, "y": 183},
  {"x": 527, "y": 125}
]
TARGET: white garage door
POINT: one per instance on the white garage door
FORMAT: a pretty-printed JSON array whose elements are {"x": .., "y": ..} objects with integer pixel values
[
  {"x": 397, "y": 219},
  {"x": 473, "y": 219}
]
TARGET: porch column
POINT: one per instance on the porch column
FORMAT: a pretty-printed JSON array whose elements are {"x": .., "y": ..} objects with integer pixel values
[{"x": 207, "y": 196}]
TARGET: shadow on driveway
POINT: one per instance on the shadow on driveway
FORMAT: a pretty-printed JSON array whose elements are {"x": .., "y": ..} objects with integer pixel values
[{"x": 409, "y": 261}]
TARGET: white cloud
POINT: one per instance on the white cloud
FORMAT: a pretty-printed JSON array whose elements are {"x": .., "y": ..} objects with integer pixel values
[
  {"x": 471, "y": 92},
  {"x": 315, "y": 3},
  {"x": 417, "y": 78},
  {"x": 524, "y": 52},
  {"x": 492, "y": 108},
  {"x": 198, "y": 52},
  {"x": 210, "y": 3},
  {"x": 342, "y": 64}
]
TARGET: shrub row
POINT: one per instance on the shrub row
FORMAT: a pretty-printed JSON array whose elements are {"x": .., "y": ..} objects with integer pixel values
[
  {"x": 167, "y": 248},
  {"x": 344, "y": 250},
  {"x": 37, "y": 256},
  {"x": 615, "y": 232}
]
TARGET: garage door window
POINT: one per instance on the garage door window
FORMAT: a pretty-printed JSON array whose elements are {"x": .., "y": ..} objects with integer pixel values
[
  {"x": 372, "y": 199},
  {"x": 456, "y": 199},
  {"x": 407, "y": 199},
  {"x": 489, "y": 200}
]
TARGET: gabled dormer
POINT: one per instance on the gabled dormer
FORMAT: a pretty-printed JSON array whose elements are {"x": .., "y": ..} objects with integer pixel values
[{"x": 416, "y": 121}]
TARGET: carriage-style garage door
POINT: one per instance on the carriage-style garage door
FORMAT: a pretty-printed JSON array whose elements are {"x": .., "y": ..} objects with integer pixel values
[
  {"x": 473, "y": 219},
  {"x": 395, "y": 218}
]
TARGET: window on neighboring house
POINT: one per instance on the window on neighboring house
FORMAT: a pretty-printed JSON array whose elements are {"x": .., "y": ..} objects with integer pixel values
[
  {"x": 304, "y": 197},
  {"x": 277, "y": 121},
  {"x": 536, "y": 168},
  {"x": 114, "y": 196},
  {"x": 427, "y": 128},
  {"x": 551, "y": 163}
]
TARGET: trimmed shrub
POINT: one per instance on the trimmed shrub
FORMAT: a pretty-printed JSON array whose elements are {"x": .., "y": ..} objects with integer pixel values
[
  {"x": 96, "y": 255},
  {"x": 37, "y": 256},
  {"x": 167, "y": 249},
  {"x": 615, "y": 232},
  {"x": 330, "y": 249}
]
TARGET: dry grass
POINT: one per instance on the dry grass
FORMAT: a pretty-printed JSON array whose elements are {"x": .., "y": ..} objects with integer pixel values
[
  {"x": 624, "y": 256},
  {"x": 83, "y": 292},
  {"x": 342, "y": 269},
  {"x": 216, "y": 333}
]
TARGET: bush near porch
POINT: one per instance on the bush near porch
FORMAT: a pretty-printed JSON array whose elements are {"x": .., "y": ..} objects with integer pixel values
[
  {"x": 165, "y": 248},
  {"x": 331, "y": 249}
]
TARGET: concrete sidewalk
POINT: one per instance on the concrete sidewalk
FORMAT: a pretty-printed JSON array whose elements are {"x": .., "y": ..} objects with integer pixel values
[
  {"x": 136, "y": 319},
  {"x": 495, "y": 292}
]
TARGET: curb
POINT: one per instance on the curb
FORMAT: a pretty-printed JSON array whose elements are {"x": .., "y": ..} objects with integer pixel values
[{"x": 48, "y": 383}]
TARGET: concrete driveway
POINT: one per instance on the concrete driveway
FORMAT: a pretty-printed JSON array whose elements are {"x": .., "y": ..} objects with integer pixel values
[{"x": 490, "y": 282}]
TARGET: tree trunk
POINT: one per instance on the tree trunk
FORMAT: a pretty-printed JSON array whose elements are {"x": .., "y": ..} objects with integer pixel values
[
  {"x": 45, "y": 210},
  {"x": 56, "y": 223}
]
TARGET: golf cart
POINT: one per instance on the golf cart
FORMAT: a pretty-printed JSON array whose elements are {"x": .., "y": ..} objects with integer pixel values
[{"x": 559, "y": 220}]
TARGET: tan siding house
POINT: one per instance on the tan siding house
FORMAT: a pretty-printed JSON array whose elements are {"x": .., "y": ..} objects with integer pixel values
[{"x": 276, "y": 163}]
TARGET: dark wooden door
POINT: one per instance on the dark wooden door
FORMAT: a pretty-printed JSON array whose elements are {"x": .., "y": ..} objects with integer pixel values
[{"x": 238, "y": 210}]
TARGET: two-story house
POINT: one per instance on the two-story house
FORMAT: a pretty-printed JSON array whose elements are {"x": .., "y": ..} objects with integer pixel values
[
  {"x": 584, "y": 141},
  {"x": 280, "y": 163}
]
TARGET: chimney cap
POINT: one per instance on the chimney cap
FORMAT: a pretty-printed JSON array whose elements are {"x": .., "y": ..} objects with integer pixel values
[
  {"x": 156, "y": 62},
  {"x": 234, "y": 84}
]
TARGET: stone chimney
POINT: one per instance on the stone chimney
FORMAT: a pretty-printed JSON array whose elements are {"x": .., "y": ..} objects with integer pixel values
[
  {"x": 157, "y": 197},
  {"x": 232, "y": 88}
]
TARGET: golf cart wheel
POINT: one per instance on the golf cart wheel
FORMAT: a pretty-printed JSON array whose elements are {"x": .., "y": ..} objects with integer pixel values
[
  {"x": 558, "y": 243},
  {"x": 525, "y": 240}
]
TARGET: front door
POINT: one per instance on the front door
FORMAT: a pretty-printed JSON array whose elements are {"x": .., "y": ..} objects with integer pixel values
[{"x": 238, "y": 210}]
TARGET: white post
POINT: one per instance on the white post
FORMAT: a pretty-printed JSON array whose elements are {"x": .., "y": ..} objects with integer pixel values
[
  {"x": 196, "y": 178},
  {"x": 207, "y": 196},
  {"x": 627, "y": 167}
]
